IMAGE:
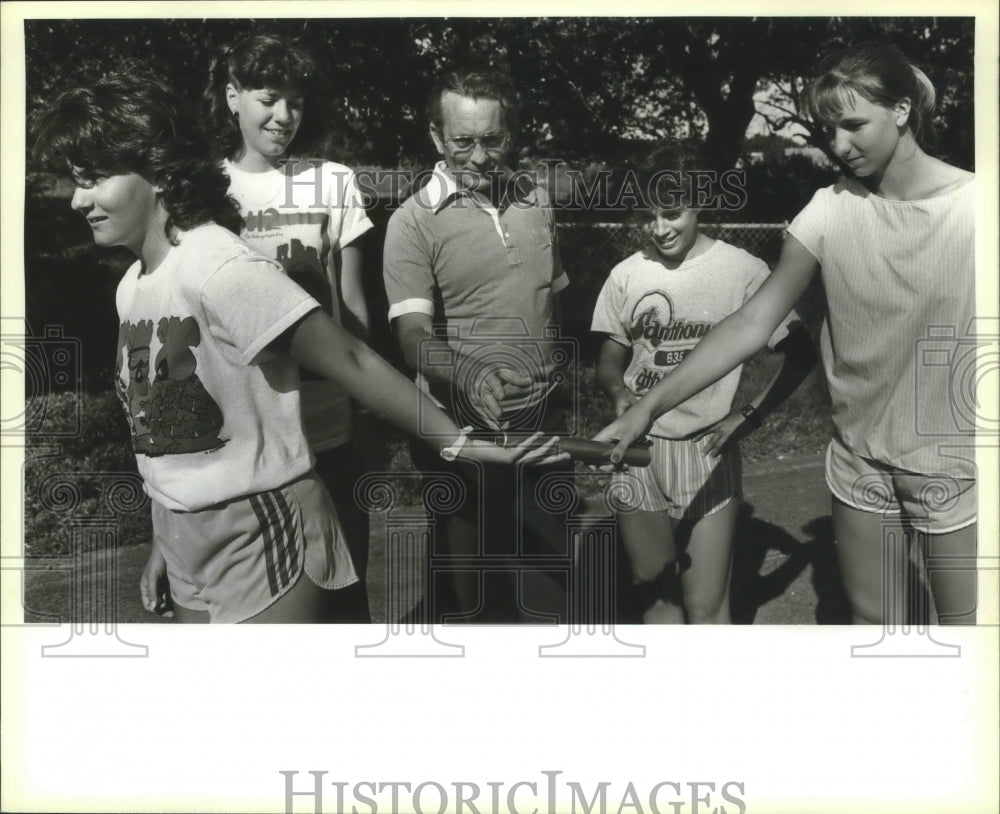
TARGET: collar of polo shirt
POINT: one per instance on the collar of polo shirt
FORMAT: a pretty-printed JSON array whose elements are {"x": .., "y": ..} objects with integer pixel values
[{"x": 441, "y": 188}]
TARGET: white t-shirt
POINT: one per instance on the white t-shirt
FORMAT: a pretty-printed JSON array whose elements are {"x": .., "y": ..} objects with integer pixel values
[
  {"x": 661, "y": 314},
  {"x": 214, "y": 415},
  {"x": 900, "y": 282},
  {"x": 300, "y": 215}
]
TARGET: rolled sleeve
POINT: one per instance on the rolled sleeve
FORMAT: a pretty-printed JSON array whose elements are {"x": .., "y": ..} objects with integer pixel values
[
  {"x": 250, "y": 302},
  {"x": 411, "y": 306},
  {"x": 354, "y": 218},
  {"x": 407, "y": 270}
]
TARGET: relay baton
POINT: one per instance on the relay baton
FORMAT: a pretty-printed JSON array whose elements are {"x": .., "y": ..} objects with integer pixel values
[{"x": 596, "y": 453}]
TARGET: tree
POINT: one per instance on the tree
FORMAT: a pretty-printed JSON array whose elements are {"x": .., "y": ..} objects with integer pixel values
[
  {"x": 591, "y": 86},
  {"x": 942, "y": 46}
]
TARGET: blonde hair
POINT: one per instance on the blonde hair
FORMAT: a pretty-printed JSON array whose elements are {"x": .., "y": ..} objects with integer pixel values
[{"x": 878, "y": 72}]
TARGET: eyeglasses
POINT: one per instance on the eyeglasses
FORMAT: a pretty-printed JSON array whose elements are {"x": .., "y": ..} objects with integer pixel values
[{"x": 491, "y": 143}]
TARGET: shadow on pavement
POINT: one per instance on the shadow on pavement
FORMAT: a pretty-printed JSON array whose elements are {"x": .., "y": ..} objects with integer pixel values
[
  {"x": 754, "y": 584},
  {"x": 832, "y": 607}
]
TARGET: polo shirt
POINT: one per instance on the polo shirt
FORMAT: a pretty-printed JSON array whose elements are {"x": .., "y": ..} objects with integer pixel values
[{"x": 486, "y": 277}]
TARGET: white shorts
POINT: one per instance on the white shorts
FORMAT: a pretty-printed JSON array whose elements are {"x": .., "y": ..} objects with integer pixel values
[
  {"x": 235, "y": 559},
  {"x": 681, "y": 480},
  {"x": 939, "y": 503}
]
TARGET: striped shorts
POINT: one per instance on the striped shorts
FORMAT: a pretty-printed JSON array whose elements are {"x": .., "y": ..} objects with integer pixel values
[
  {"x": 680, "y": 480},
  {"x": 239, "y": 557}
]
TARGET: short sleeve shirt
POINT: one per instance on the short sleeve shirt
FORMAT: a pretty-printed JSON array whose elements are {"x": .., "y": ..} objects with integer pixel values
[
  {"x": 485, "y": 277},
  {"x": 899, "y": 278},
  {"x": 300, "y": 215},
  {"x": 661, "y": 314},
  {"x": 213, "y": 414}
]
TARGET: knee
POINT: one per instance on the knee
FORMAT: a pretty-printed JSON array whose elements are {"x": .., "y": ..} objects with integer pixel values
[
  {"x": 651, "y": 571},
  {"x": 706, "y": 610}
]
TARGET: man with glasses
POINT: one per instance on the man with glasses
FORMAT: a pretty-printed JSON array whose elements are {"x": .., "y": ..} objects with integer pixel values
[{"x": 472, "y": 275}]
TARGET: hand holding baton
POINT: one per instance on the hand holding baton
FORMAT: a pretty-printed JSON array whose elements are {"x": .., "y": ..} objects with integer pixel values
[{"x": 594, "y": 453}]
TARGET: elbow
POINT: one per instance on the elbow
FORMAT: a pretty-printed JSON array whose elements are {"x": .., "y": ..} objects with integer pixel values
[
  {"x": 409, "y": 341},
  {"x": 751, "y": 335}
]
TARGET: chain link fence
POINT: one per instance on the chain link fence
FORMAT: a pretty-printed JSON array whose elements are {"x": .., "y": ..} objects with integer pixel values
[{"x": 603, "y": 245}]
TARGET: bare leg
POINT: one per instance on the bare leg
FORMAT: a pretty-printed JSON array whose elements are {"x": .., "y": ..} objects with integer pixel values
[
  {"x": 706, "y": 582},
  {"x": 952, "y": 567},
  {"x": 648, "y": 538},
  {"x": 186, "y": 616},
  {"x": 462, "y": 535},
  {"x": 865, "y": 543}
]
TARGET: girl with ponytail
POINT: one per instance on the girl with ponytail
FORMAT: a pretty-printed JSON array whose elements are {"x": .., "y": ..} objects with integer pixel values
[
  {"x": 307, "y": 214},
  {"x": 894, "y": 243}
]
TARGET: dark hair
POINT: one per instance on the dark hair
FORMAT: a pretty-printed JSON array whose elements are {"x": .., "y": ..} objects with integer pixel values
[
  {"x": 132, "y": 121},
  {"x": 880, "y": 73},
  {"x": 664, "y": 171},
  {"x": 254, "y": 62},
  {"x": 475, "y": 83}
]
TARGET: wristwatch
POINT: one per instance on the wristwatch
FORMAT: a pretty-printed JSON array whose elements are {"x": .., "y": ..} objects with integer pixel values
[
  {"x": 450, "y": 453},
  {"x": 751, "y": 416}
]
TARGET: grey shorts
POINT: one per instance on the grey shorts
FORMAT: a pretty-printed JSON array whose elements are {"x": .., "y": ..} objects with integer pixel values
[
  {"x": 235, "y": 559},
  {"x": 938, "y": 503}
]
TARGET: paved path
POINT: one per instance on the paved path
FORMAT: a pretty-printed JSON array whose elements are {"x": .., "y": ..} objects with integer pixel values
[{"x": 784, "y": 567}]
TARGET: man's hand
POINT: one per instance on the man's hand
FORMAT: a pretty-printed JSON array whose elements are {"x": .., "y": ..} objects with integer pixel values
[
  {"x": 153, "y": 585},
  {"x": 488, "y": 394}
]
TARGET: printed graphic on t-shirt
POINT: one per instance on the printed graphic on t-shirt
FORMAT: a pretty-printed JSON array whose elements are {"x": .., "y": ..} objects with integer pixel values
[
  {"x": 260, "y": 223},
  {"x": 659, "y": 338},
  {"x": 171, "y": 413},
  {"x": 302, "y": 264}
]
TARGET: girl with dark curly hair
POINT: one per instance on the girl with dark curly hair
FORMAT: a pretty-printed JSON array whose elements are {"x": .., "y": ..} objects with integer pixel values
[{"x": 211, "y": 338}]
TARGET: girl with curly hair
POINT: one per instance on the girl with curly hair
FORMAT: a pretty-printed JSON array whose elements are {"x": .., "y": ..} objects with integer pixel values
[{"x": 211, "y": 338}]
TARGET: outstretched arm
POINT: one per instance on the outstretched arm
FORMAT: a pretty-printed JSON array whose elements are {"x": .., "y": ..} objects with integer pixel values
[
  {"x": 730, "y": 343},
  {"x": 322, "y": 346},
  {"x": 486, "y": 392}
]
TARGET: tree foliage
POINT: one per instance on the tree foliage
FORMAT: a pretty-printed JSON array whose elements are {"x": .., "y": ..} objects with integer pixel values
[{"x": 590, "y": 86}]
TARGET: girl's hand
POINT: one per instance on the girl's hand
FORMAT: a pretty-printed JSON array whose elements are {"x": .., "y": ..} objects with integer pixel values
[
  {"x": 153, "y": 585},
  {"x": 731, "y": 428},
  {"x": 623, "y": 401},
  {"x": 628, "y": 428},
  {"x": 528, "y": 451}
]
